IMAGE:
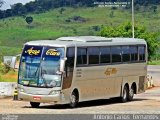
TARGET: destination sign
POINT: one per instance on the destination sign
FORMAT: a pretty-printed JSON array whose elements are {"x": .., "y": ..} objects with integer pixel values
[
  {"x": 32, "y": 51},
  {"x": 52, "y": 52}
]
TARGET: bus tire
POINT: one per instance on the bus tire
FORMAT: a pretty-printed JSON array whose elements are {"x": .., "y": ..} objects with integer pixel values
[
  {"x": 74, "y": 98},
  {"x": 124, "y": 97},
  {"x": 35, "y": 104},
  {"x": 131, "y": 94}
]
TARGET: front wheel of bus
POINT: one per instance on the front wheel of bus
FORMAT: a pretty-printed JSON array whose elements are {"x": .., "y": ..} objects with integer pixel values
[
  {"x": 124, "y": 95},
  {"x": 73, "y": 100},
  {"x": 35, "y": 104}
]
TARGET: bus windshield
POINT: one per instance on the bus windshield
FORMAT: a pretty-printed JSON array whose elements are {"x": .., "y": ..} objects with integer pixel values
[{"x": 40, "y": 66}]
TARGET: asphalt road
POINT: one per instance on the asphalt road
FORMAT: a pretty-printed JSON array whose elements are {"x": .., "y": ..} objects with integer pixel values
[
  {"x": 145, "y": 103},
  {"x": 154, "y": 71}
]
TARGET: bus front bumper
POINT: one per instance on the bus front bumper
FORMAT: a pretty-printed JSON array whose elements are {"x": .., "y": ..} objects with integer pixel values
[{"x": 40, "y": 98}]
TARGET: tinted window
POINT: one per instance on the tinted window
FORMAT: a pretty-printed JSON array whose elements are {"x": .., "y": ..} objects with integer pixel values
[
  {"x": 93, "y": 53},
  {"x": 116, "y": 54},
  {"x": 141, "y": 50},
  {"x": 134, "y": 53},
  {"x": 125, "y": 54},
  {"x": 70, "y": 57},
  {"x": 105, "y": 55},
  {"x": 81, "y": 56}
]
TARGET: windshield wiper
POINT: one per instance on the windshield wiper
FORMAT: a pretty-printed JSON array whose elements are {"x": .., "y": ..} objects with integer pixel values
[
  {"x": 45, "y": 82},
  {"x": 36, "y": 72},
  {"x": 42, "y": 75}
]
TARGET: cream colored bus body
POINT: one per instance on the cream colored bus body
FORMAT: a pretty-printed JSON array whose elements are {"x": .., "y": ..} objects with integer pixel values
[{"x": 92, "y": 82}]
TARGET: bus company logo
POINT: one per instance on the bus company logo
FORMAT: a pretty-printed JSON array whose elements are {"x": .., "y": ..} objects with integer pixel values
[
  {"x": 31, "y": 51},
  {"x": 110, "y": 71},
  {"x": 53, "y": 52}
]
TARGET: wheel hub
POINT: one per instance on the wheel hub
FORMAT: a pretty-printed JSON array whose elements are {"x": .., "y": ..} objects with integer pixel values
[{"x": 73, "y": 99}]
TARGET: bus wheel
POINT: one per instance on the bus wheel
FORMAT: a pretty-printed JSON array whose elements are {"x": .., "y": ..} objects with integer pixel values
[
  {"x": 124, "y": 95},
  {"x": 74, "y": 99},
  {"x": 35, "y": 104},
  {"x": 131, "y": 94}
]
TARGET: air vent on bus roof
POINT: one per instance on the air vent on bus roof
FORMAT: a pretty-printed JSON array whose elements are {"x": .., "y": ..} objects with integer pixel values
[
  {"x": 85, "y": 39},
  {"x": 109, "y": 40}
]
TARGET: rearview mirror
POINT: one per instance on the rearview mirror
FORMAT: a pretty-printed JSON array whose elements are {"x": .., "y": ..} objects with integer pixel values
[{"x": 62, "y": 64}]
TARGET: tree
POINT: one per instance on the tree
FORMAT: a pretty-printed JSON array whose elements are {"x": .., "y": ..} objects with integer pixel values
[
  {"x": 61, "y": 10},
  {"x": 29, "y": 19},
  {"x": 18, "y": 9},
  {"x": 111, "y": 14},
  {"x": 2, "y": 14},
  {"x": 153, "y": 9},
  {"x": 8, "y": 13},
  {"x": 31, "y": 7},
  {"x": 1, "y": 3},
  {"x": 125, "y": 30}
]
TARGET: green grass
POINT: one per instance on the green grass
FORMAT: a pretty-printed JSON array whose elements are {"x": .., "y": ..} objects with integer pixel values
[
  {"x": 9, "y": 77},
  {"x": 14, "y": 31},
  {"x": 154, "y": 62}
]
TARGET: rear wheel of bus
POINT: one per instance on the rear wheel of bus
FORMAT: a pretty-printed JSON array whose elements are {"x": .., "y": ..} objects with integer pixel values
[
  {"x": 35, "y": 104},
  {"x": 124, "y": 94},
  {"x": 131, "y": 93}
]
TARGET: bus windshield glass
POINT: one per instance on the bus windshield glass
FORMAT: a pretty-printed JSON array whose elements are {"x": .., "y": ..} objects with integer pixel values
[{"x": 40, "y": 66}]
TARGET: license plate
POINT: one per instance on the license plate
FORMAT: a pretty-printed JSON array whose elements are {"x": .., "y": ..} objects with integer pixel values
[{"x": 36, "y": 98}]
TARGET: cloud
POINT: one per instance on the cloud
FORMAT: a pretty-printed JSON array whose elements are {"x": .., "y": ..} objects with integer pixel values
[{"x": 7, "y": 3}]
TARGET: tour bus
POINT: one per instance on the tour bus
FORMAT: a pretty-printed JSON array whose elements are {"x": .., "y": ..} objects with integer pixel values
[{"x": 69, "y": 70}]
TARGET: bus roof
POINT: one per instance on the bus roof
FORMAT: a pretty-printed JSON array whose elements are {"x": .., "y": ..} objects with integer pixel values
[{"x": 87, "y": 41}]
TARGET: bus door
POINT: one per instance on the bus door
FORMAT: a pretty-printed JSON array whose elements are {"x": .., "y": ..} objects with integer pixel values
[{"x": 69, "y": 68}]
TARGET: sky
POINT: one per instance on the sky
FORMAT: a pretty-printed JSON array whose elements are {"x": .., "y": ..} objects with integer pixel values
[{"x": 7, "y": 3}]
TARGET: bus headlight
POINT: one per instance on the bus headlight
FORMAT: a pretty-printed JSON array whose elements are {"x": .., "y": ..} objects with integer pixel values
[
  {"x": 21, "y": 89},
  {"x": 54, "y": 92},
  {"x": 55, "y": 84}
]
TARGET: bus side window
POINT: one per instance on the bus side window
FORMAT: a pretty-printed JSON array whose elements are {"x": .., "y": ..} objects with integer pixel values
[
  {"x": 116, "y": 54},
  {"x": 134, "y": 53},
  {"x": 141, "y": 51},
  {"x": 81, "y": 56},
  {"x": 125, "y": 54},
  {"x": 93, "y": 55},
  {"x": 105, "y": 55}
]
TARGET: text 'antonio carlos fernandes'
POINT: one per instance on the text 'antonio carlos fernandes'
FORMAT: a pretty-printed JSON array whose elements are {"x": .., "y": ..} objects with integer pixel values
[{"x": 126, "y": 117}]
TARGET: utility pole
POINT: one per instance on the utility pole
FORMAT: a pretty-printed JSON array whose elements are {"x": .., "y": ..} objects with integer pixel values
[{"x": 133, "y": 18}]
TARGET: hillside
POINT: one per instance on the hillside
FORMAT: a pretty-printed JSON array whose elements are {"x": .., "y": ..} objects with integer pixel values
[{"x": 14, "y": 31}]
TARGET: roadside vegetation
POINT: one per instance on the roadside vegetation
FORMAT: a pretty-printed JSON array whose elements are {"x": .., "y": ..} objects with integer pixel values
[
  {"x": 14, "y": 31},
  {"x": 40, "y": 6},
  {"x": 154, "y": 62},
  {"x": 125, "y": 30},
  {"x": 7, "y": 74}
]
